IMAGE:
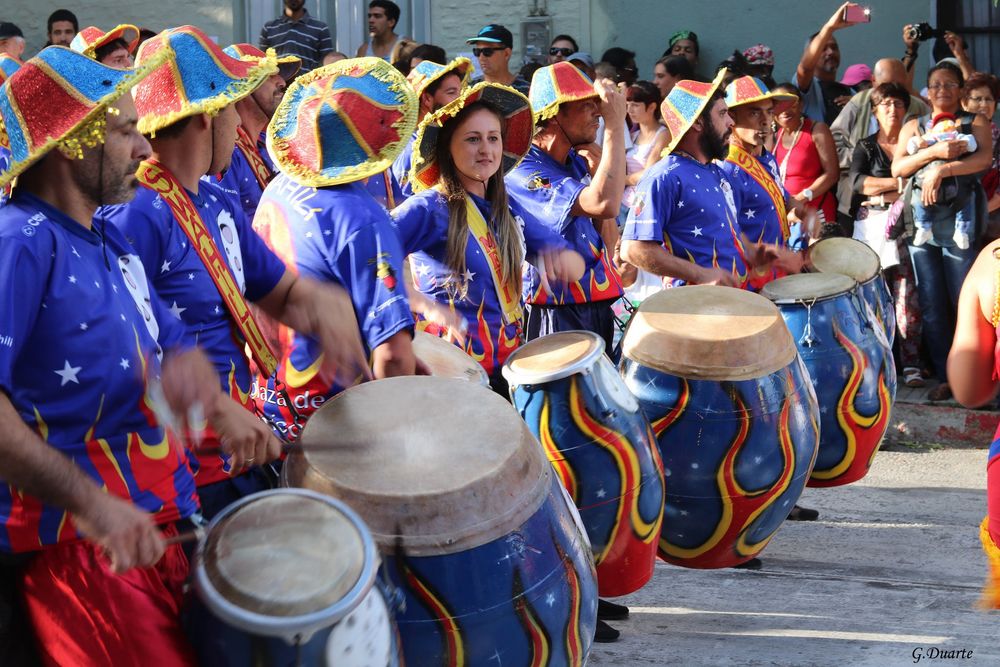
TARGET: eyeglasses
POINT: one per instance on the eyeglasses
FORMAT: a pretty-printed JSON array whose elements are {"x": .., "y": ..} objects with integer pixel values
[
  {"x": 488, "y": 51},
  {"x": 556, "y": 51},
  {"x": 982, "y": 100},
  {"x": 950, "y": 85},
  {"x": 893, "y": 104}
]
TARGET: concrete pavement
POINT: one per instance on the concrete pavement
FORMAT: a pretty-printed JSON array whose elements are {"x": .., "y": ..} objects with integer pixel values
[{"x": 889, "y": 574}]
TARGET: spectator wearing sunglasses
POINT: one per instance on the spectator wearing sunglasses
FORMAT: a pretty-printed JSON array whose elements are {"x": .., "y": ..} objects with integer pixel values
[
  {"x": 623, "y": 61},
  {"x": 561, "y": 48},
  {"x": 492, "y": 47}
]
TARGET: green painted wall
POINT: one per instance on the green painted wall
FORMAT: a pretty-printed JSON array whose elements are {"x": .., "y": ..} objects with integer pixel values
[{"x": 644, "y": 26}]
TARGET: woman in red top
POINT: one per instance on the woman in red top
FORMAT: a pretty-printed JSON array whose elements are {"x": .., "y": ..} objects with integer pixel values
[{"x": 807, "y": 158}]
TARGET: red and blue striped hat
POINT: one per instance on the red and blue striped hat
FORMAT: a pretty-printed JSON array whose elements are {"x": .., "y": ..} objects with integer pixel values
[
  {"x": 91, "y": 38},
  {"x": 8, "y": 65},
  {"x": 513, "y": 107},
  {"x": 556, "y": 84},
  {"x": 683, "y": 104},
  {"x": 59, "y": 98},
  {"x": 427, "y": 72},
  {"x": 749, "y": 89},
  {"x": 197, "y": 77},
  {"x": 342, "y": 122}
]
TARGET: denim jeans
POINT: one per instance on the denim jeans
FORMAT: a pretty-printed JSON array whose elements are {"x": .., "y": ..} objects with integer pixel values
[{"x": 939, "y": 273}]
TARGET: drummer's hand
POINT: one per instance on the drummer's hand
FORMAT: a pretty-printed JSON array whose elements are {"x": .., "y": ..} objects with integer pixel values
[
  {"x": 325, "y": 312},
  {"x": 453, "y": 322},
  {"x": 789, "y": 261},
  {"x": 713, "y": 276},
  {"x": 563, "y": 266},
  {"x": 127, "y": 533},
  {"x": 190, "y": 383},
  {"x": 246, "y": 439}
]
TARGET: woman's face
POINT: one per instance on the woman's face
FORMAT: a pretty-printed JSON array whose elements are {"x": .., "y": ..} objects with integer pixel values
[
  {"x": 563, "y": 49},
  {"x": 477, "y": 146},
  {"x": 789, "y": 117},
  {"x": 981, "y": 101},
  {"x": 640, "y": 113},
  {"x": 944, "y": 91},
  {"x": 663, "y": 79},
  {"x": 686, "y": 48},
  {"x": 889, "y": 113}
]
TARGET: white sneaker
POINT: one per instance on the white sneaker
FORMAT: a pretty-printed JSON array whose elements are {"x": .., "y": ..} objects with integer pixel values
[
  {"x": 961, "y": 240},
  {"x": 923, "y": 236}
]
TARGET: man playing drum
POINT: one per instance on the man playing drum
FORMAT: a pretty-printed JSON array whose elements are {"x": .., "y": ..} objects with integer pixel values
[
  {"x": 204, "y": 259},
  {"x": 81, "y": 342}
]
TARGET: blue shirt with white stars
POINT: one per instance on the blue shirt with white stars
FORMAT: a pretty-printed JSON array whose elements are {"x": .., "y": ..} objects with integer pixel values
[{"x": 688, "y": 207}]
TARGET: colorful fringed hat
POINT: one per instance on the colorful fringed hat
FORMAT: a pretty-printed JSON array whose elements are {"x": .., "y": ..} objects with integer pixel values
[
  {"x": 91, "y": 38},
  {"x": 197, "y": 77},
  {"x": 427, "y": 72},
  {"x": 8, "y": 65},
  {"x": 288, "y": 66},
  {"x": 749, "y": 89},
  {"x": 513, "y": 107},
  {"x": 59, "y": 98},
  {"x": 342, "y": 122},
  {"x": 556, "y": 84},
  {"x": 683, "y": 104}
]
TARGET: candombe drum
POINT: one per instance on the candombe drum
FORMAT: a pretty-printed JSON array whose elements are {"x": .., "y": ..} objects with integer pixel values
[
  {"x": 851, "y": 365},
  {"x": 717, "y": 374},
  {"x": 601, "y": 447},
  {"x": 288, "y": 577},
  {"x": 444, "y": 359},
  {"x": 855, "y": 259},
  {"x": 473, "y": 525}
]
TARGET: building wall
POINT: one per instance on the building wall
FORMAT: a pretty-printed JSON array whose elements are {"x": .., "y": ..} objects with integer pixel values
[{"x": 215, "y": 17}]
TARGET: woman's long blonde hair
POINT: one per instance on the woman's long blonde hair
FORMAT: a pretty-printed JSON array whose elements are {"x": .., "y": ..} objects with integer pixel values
[{"x": 503, "y": 225}]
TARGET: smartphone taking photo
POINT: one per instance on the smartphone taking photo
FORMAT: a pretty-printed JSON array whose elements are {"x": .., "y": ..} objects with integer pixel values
[{"x": 857, "y": 14}]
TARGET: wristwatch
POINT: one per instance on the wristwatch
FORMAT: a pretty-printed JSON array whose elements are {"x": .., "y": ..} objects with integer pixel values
[{"x": 808, "y": 194}]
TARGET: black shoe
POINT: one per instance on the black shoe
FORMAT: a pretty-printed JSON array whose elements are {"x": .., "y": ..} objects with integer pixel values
[
  {"x": 752, "y": 564},
  {"x": 604, "y": 633},
  {"x": 802, "y": 514},
  {"x": 609, "y": 611}
]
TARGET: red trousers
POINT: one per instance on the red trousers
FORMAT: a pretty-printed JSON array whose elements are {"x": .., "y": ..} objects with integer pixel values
[{"x": 85, "y": 614}]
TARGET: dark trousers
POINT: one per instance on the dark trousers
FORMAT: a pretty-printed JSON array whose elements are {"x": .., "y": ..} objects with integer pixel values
[{"x": 597, "y": 317}]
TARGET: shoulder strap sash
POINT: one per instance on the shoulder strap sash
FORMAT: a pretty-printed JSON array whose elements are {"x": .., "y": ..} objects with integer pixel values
[{"x": 751, "y": 165}]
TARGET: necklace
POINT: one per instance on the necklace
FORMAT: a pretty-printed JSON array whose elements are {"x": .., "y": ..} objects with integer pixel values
[{"x": 783, "y": 167}]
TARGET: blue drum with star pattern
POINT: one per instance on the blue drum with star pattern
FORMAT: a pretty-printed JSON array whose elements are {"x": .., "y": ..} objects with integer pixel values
[
  {"x": 474, "y": 527},
  {"x": 717, "y": 373},
  {"x": 845, "y": 349},
  {"x": 601, "y": 446}
]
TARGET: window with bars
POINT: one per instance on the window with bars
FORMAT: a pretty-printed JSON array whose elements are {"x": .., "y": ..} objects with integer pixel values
[{"x": 978, "y": 21}]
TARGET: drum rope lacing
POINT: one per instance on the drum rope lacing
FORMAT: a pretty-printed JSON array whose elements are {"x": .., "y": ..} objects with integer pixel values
[{"x": 807, "y": 332}]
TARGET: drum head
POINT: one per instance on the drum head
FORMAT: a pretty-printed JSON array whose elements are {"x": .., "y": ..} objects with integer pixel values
[
  {"x": 705, "y": 332},
  {"x": 553, "y": 357},
  {"x": 287, "y": 554},
  {"x": 447, "y": 360},
  {"x": 435, "y": 465},
  {"x": 841, "y": 255},
  {"x": 805, "y": 287}
]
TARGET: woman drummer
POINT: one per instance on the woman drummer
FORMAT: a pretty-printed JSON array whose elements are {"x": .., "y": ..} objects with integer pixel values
[{"x": 466, "y": 241}]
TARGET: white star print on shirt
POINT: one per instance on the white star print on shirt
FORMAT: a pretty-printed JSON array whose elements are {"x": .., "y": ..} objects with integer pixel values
[
  {"x": 68, "y": 373},
  {"x": 83, "y": 326},
  {"x": 190, "y": 276},
  {"x": 696, "y": 231},
  {"x": 165, "y": 267},
  {"x": 680, "y": 204},
  {"x": 72, "y": 279},
  {"x": 469, "y": 275},
  {"x": 748, "y": 213},
  {"x": 74, "y": 251},
  {"x": 124, "y": 364},
  {"x": 176, "y": 310}
]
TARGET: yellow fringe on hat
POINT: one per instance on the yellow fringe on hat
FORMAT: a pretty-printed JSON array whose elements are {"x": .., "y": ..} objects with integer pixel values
[
  {"x": 234, "y": 92},
  {"x": 282, "y": 151},
  {"x": 991, "y": 592},
  {"x": 89, "y": 131}
]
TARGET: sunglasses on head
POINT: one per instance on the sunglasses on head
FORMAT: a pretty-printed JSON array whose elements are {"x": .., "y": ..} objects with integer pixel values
[
  {"x": 488, "y": 51},
  {"x": 555, "y": 51}
]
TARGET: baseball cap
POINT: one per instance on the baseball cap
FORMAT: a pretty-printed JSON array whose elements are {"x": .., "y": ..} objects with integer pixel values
[
  {"x": 8, "y": 30},
  {"x": 855, "y": 74},
  {"x": 581, "y": 56},
  {"x": 496, "y": 33}
]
